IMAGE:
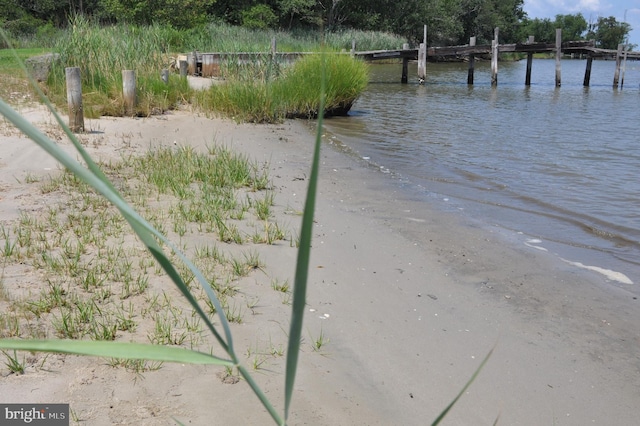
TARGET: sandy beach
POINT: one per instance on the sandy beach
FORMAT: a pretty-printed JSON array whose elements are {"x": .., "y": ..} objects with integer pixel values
[{"x": 408, "y": 297}]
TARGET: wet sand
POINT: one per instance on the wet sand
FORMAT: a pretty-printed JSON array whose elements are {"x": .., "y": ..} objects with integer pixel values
[{"x": 410, "y": 299}]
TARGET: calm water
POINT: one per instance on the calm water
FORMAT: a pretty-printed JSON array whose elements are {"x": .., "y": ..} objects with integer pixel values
[{"x": 557, "y": 164}]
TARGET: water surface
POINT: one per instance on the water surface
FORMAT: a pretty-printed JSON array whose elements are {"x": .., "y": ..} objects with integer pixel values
[{"x": 560, "y": 165}]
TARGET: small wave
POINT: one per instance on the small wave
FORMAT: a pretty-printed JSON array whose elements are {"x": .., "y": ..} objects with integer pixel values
[{"x": 612, "y": 275}]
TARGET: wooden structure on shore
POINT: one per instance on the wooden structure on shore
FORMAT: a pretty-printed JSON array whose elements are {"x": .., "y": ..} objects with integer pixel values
[{"x": 208, "y": 64}]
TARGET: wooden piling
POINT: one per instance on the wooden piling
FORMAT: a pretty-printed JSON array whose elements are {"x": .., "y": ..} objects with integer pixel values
[
  {"x": 164, "y": 74},
  {"x": 587, "y": 71},
  {"x": 184, "y": 68},
  {"x": 616, "y": 74},
  {"x": 527, "y": 81},
  {"x": 558, "y": 56},
  {"x": 405, "y": 71},
  {"x": 129, "y": 92},
  {"x": 472, "y": 61},
  {"x": 353, "y": 48},
  {"x": 422, "y": 57},
  {"x": 624, "y": 67},
  {"x": 274, "y": 47},
  {"x": 494, "y": 57},
  {"x": 422, "y": 62},
  {"x": 74, "y": 99}
]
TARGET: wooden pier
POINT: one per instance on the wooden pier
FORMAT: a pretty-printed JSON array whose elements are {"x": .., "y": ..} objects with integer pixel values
[
  {"x": 469, "y": 52},
  {"x": 208, "y": 64}
]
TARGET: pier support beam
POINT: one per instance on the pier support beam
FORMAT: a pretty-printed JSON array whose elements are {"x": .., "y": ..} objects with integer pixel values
[
  {"x": 558, "y": 56},
  {"x": 616, "y": 75},
  {"x": 587, "y": 71},
  {"x": 405, "y": 70},
  {"x": 405, "y": 65},
  {"x": 472, "y": 61},
  {"x": 494, "y": 58},
  {"x": 422, "y": 58},
  {"x": 527, "y": 81},
  {"x": 624, "y": 66}
]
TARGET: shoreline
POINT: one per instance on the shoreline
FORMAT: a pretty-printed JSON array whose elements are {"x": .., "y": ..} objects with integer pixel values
[{"x": 410, "y": 299}]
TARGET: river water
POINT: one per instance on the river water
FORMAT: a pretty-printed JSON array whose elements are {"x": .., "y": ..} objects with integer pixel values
[{"x": 559, "y": 166}]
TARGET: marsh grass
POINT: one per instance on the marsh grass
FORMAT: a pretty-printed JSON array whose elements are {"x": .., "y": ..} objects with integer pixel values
[
  {"x": 102, "y": 53},
  {"x": 295, "y": 93},
  {"x": 261, "y": 89}
]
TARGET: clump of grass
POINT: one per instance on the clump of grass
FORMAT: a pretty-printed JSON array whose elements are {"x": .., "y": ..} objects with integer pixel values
[
  {"x": 346, "y": 78},
  {"x": 295, "y": 94}
]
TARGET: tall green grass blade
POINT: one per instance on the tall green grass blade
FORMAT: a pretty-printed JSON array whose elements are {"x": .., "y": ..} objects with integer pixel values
[
  {"x": 455, "y": 400},
  {"x": 302, "y": 264},
  {"x": 117, "y": 350}
]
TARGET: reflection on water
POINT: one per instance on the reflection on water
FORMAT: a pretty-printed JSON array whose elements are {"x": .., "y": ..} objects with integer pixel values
[{"x": 558, "y": 163}]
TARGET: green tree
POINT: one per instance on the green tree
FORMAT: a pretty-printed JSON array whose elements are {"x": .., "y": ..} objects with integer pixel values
[
  {"x": 573, "y": 26},
  {"x": 543, "y": 30},
  {"x": 481, "y": 17},
  {"x": 259, "y": 16},
  {"x": 301, "y": 12},
  {"x": 609, "y": 33},
  {"x": 178, "y": 13}
]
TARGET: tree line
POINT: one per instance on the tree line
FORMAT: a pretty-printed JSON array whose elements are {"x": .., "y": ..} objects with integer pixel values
[{"x": 450, "y": 22}]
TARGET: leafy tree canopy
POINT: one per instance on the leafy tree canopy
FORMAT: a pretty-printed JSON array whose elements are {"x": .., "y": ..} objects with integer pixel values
[{"x": 449, "y": 21}]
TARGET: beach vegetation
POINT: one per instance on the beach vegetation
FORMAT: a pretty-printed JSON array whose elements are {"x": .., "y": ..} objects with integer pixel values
[
  {"x": 86, "y": 230},
  {"x": 262, "y": 90},
  {"x": 294, "y": 94}
]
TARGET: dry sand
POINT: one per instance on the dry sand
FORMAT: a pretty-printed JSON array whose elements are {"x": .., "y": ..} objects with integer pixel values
[{"x": 410, "y": 297}]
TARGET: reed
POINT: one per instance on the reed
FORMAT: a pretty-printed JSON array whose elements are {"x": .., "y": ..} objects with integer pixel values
[
  {"x": 102, "y": 53},
  {"x": 296, "y": 93}
]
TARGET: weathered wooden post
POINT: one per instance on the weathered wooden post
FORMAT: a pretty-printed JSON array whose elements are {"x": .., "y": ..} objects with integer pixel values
[
  {"x": 494, "y": 57},
  {"x": 129, "y": 92},
  {"x": 164, "y": 74},
  {"x": 422, "y": 57},
  {"x": 422, "y": 62},
  {"x": 353, "y": 48},
  {"x": 192, "y": 61},
  {"x": 527, "y": 81},
  {"x": 274, "y": 47},
  {"x": 472, "y": 61},
  {"x": 405, "y": 65},
  {"x": 616, "y": 75},
  {"x": 587, "y": 71},
  {"x": 74, "y": 99},
  {"x": 184, "y": 68},
  {"x": 624, "y": 66},
  {"x": 558, "y": 56},
  {"x": 405, "y": 70}
]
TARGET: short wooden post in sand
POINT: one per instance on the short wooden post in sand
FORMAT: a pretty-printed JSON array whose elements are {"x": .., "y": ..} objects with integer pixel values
[
  {"x": 129, "y": 92},
  {"x": 74, "y": 99}
]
